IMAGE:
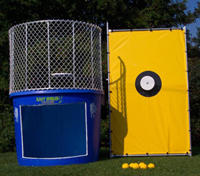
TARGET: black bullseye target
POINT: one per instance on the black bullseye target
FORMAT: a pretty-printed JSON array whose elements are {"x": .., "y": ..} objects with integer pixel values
[{"x": 148, "y": 83}]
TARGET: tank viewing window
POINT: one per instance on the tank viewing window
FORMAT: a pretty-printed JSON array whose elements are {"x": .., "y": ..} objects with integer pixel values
[{"x": 54, "y": 131}]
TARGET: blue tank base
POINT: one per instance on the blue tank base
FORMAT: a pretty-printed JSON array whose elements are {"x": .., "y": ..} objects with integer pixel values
[
  {"x": 57, "y": 127},
  {"x": 54, "y": 162}
]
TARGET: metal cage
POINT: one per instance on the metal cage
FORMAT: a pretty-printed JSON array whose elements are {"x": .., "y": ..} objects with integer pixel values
[{"x": 55, "y": 54}]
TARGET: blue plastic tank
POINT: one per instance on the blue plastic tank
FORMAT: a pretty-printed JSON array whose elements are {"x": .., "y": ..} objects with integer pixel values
[{"x": 56, "y": 87}]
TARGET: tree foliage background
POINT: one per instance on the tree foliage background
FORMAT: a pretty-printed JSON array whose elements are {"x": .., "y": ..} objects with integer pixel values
[{"x": 120, "y": 14}]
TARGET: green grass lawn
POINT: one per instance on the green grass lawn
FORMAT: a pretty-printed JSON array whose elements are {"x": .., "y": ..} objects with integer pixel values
[{"x": 165, "y": 166}]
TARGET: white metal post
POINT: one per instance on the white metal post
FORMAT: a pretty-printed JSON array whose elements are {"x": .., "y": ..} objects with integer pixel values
[
  {"x": 188, "y": 90},
  {"x": 108, "y": 81},
  {"x": 92, "y": 57},
  {"x": 101, "y": 82},
  {"x": 49, "y": 69},
  {"x": 11, "y": 61},
  {"x": 26, "y": 55},
  {"x": 73, "y": 53}
]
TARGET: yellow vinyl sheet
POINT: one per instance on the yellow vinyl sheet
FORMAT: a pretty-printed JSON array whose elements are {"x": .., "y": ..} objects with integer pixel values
[{"x": 154, "y": 117}]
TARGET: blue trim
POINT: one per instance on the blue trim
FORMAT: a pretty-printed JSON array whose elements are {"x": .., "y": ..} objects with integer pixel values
[{"x": 58, "y": 91}]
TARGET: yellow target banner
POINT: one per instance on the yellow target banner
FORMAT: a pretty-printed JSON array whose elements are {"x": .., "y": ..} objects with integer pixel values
[{"x": 149, "y": 93}]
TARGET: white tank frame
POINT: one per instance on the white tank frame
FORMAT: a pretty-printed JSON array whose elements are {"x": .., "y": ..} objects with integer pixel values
[{"x": 74, "y": 42}]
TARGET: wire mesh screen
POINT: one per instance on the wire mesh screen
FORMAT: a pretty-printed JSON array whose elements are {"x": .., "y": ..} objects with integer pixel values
[{"x": 55, "y": 54}]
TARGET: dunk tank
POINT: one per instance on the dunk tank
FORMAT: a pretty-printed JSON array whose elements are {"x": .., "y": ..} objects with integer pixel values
[{"x": 56, "y": 88}]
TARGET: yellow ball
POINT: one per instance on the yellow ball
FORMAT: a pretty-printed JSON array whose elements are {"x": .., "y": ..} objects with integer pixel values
[
  {"x": 134, "y": 165},
  {"x": 142, "y": 166},
  {"x": 151, "y": 165},
  {"x": 125, "y": 165}
]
